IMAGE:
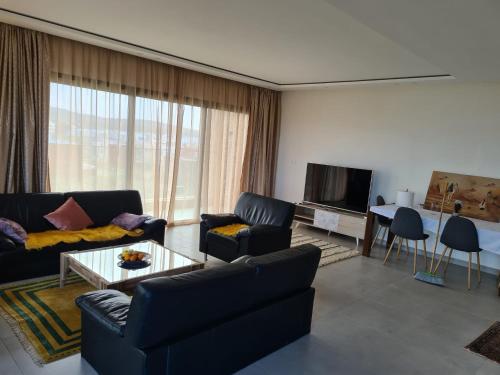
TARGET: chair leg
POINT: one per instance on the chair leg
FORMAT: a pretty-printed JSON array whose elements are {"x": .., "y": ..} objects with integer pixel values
[
  {"x": 478, "y": 268},
  {"x": 425, "y": 255},
  {"x": 399, "y": 246},
  {"x": 440, "y": 259},
  {"x": 407, "y": 247},
  {"x": 376, "y": 236},
  {"x": 390, "y": 249},
  {"x": 468, "y": 271},
  {"x": 415, "y": 259},
  {"x": 447, "y": 262},
  {"x": 384, "y": 234}
]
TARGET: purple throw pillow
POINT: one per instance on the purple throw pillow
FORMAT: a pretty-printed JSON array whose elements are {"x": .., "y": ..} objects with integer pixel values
[
  {"x": 13, "y": 230},
  {"x": 129, "y": 221}
]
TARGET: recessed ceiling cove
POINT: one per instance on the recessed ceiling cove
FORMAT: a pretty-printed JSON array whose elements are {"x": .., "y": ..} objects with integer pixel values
[{"x": 284, "y": 42}]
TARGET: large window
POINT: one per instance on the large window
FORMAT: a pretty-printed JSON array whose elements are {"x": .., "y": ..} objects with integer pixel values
[{"x": 182, "y": 158}]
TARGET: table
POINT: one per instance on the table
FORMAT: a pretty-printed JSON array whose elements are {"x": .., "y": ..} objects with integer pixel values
[
  {"x": 100, "y": 266},
  {"x": 488, "y": 232}
]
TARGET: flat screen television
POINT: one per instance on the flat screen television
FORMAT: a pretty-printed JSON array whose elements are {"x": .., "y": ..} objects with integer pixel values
[{"x": 338, "y": 187}]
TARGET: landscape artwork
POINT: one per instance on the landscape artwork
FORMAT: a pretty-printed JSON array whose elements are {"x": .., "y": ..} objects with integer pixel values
[{"x": 474, "y": 196}]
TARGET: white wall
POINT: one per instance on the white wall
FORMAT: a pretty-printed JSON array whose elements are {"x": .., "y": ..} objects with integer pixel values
[{"x": 401, "y": 131}]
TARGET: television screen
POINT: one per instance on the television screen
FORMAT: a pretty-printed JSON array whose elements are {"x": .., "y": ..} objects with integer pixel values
[{"x": 338, "y": 187}]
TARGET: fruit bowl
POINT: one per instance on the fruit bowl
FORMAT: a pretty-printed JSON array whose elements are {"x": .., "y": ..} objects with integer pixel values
[{"x": 134, "y": 259}]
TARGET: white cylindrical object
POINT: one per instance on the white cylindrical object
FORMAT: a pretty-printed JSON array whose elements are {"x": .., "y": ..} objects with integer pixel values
[{"x": 404, "y": 199}]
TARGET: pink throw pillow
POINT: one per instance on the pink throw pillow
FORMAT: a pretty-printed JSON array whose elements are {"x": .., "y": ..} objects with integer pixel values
[{"x": 70, "y": 216}]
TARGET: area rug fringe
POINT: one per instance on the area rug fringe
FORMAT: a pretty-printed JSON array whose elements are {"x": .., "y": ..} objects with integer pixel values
[
  {"x": 331, "y": 252},
  {"x": 15, "y": 325},
  {"x": 21, "y": 337}
]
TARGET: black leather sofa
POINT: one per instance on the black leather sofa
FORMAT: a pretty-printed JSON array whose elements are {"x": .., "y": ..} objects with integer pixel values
[
  {"x": 16, "y": 263},
  {"x": 269, "y": 219},
  {"x": 213, "y": 321}
]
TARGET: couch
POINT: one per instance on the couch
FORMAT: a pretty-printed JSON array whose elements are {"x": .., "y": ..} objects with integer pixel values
[
  {"x": 212, "y": 321},
  {"x": 269, "y": 230},
  {"x": 17, "y": 263}
]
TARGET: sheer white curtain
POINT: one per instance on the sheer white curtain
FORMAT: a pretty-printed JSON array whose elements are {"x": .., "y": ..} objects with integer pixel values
[{"x": 184, "y": 158}]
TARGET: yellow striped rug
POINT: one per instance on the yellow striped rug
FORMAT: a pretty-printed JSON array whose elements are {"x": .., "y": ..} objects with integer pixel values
[
  {"x": 330, "y": 252},
  {"x": 44, "y": 317}
]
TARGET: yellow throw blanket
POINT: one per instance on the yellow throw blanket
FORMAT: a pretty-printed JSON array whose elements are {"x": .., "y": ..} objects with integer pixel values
[
  {"x": 229, "y": 230},
  {"x": 39, "y": 240}
]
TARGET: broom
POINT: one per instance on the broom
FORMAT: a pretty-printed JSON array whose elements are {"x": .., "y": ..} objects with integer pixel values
[{"x": 428, "y": 276}]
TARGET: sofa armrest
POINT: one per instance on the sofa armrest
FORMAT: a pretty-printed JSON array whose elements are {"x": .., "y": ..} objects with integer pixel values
[
  {"x": 107, "y": 307},
  {"x": 263, "y": 238},
  {"x": 155, "y": 228},
  {"x": 153, "y": 224},
  {"x": 219, "y": 220},
  {"x": 260, "y": 230},
  {"x": 6, "y": 243}
]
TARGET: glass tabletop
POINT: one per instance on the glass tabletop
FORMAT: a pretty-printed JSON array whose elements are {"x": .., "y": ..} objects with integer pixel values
[{"x": 104, "y": 262}]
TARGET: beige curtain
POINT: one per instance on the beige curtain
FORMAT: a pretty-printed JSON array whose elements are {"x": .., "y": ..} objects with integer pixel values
[
  {"x": 119, "y": 121},
  {"x": 261, "y": 154},
  {"x": 24, "y": 103}
]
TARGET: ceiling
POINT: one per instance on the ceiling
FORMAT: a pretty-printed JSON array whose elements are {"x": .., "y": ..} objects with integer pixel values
[{"x": 286, "y": 43}]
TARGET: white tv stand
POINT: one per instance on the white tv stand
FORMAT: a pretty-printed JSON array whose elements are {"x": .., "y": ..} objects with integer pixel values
[{"x": 337, "y": 221}]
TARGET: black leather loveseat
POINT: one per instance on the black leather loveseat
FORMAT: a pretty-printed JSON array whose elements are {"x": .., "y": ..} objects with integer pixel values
[
  {"x": 269, "y": 230},
  {"x": 17, "y": 263},
  {"x": 213, "y": 321}
]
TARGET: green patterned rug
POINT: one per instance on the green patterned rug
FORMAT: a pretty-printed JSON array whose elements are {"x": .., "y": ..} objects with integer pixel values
[{"x": 43, "y": 316}]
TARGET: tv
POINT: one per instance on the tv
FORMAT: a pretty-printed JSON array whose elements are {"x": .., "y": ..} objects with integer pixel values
[{"x": 338, "y": 187}]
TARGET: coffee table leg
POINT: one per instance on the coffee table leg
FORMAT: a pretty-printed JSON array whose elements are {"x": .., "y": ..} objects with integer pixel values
[{"x": 63, "y": 270}]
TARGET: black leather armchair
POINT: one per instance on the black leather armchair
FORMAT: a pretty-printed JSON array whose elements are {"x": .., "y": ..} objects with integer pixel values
[
  {"x": 269, "y": 230},
  {"x": 213, "y": 321}
]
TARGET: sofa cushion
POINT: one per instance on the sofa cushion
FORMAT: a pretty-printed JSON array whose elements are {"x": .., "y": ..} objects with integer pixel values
[
  {"x": 12, "y": 230},
  {"x": 70, "y": 216},
  {"x": 167, "y": 308},
  {"x": 257, "y": 209},
  {"x": 109, "y": 307},
  {"x": 104, "y": 206},
  {"x": 28, "y": 209},
  {"x": 285, "y": 272}
]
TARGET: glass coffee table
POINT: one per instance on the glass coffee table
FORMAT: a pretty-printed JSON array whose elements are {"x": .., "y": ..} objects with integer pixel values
[{"x": 100, "y": 266}]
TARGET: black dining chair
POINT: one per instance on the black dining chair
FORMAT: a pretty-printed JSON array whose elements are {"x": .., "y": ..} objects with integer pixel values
[
  {"x": 407, "y": 225},
  {"x": 460, "y": 234},
  {"x": 384, "y": 223}
]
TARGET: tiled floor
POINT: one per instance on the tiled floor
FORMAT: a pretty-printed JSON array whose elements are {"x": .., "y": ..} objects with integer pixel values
[{"x": 368, "y": 319}]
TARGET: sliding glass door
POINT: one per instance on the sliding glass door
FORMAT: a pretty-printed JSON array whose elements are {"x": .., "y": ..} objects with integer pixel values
[{"x": 184, "y": 159}]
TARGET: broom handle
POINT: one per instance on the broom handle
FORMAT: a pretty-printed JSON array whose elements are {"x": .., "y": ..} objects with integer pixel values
[{"x": 439, "y": 227}]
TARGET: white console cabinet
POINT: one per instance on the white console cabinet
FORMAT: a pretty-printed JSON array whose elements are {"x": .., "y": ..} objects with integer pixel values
[{"x": 337, "y": 221}]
